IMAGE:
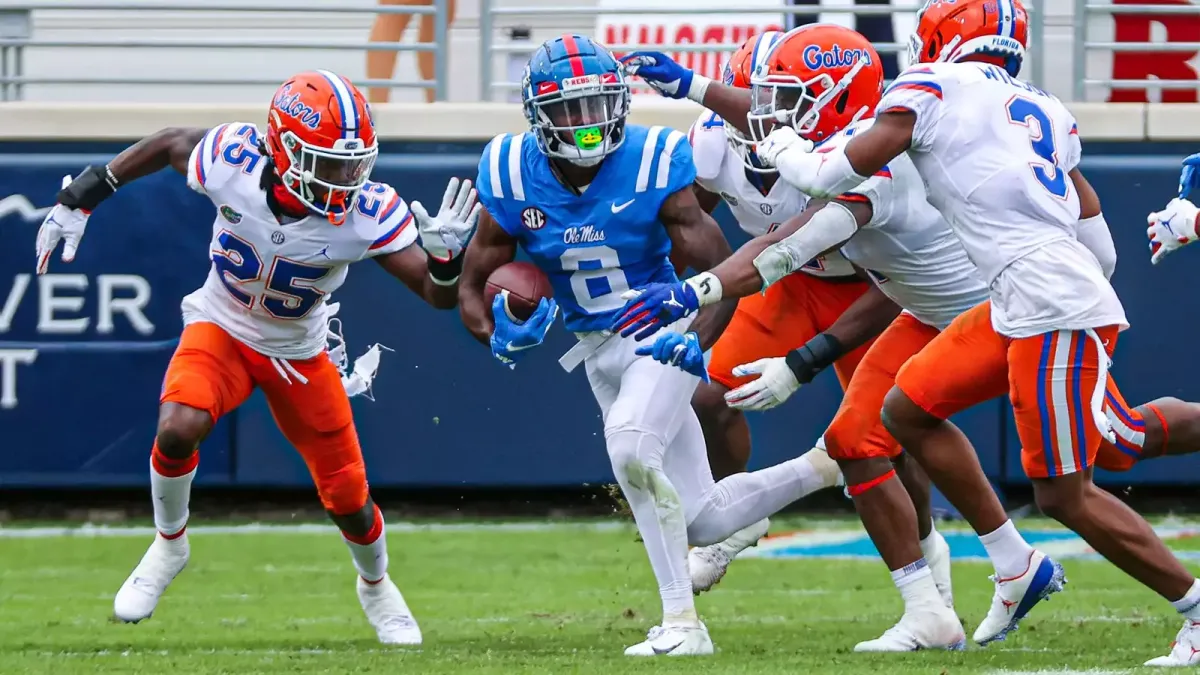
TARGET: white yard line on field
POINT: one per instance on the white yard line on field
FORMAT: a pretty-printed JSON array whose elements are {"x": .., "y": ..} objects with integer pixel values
[{"x": 90, "y": 530}]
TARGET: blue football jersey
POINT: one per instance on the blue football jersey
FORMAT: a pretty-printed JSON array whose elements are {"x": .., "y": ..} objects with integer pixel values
[{"x": 597, "y": 245}]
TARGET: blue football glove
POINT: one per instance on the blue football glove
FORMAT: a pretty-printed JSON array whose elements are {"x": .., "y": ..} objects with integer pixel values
[
  {"x": 661, "y": 72},
  {"x": 654, "y": 307},
  {"x": 510, "y": 339},
  {"x": 681, "y": 351},
  {"x": 1189, "y": 178}
]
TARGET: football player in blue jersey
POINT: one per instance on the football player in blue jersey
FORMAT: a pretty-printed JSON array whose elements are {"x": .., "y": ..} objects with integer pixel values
[{"x": 599, "y": 205}]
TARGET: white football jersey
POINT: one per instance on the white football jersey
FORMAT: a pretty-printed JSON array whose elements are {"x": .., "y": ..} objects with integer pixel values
[
  {"x": 907, "y": 248},
  {"x": 994, "y": 153},
  {"x": 269, "y": 281},
  {"x": 719, "y": 170}
]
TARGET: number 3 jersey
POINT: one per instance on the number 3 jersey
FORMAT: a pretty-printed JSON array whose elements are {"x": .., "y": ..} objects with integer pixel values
[
  {"x": 995, "y": 153},
  {"x": 599, "y": 244},
  {"x": 269, "y": 281}
]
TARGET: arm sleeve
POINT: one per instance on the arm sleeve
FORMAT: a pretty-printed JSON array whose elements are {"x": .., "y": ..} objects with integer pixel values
[
  {"x": 494, "y": 184},
  {"x": 394, "y": 231},
  {"x": 1094, "y": 234},
  {"x": 708, "y": 141},
  {"x": 676, "y": 168},
  {"x": 918, "y": 90},
  {"x": 204, "y": 156},
  {"x": 206, "y": 169},
  {"x": 878, "y": 191},
  {"x": 1074, "y": 148}
]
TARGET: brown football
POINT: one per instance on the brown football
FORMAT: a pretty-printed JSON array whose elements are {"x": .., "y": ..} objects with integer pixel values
[{"x": 526, "y": 286}]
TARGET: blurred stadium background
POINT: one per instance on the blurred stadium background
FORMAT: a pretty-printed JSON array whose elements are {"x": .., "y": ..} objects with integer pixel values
[
  {"x": 451, "y": 433},
  {"x": 82, "y": 350}
]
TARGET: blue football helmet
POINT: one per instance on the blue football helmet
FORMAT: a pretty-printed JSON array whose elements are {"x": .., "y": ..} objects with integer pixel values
[{"x": 576, "y": 99}]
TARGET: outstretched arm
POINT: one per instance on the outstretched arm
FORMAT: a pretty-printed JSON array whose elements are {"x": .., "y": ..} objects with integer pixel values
[
  {"x": 820, "y": 228},
  {"x": 436, "y": 283},
  {"x": 702, "y": 245},
  {"x": 490, "y": 248},
  {"x": 81, "y": 195},
  {"x": 840, "y": 169}
]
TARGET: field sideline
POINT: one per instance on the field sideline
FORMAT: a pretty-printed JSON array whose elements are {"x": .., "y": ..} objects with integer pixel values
[{"x": 529, "y": 597}]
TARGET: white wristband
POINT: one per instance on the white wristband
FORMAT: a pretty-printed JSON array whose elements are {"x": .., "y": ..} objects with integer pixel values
[
  {"x": 698, "y": 88},
  {"x": 707, "y": 287}
]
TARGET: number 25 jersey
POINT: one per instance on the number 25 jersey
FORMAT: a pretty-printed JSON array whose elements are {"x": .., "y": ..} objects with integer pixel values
[
  {"x": 599, "y": 244},
  {"x": 994, "y": 153},
  {"x": 269, "y": 281}
]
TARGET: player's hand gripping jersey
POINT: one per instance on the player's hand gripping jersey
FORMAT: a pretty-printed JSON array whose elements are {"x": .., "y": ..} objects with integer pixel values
[
  {"x": 995, "y": 153},
  {"x": 269, "y": 282},
  {"x": 720, "y": 170},
  {"x": 596, "y": 246}
]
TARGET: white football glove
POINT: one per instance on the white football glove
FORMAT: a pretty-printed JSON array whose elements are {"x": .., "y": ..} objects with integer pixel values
[
  {"x": 445, "y": 236},
  {"x": 61, "y": 224},
  {"x": 778, "y": 141},
  {"x": 776, "y": 382},
  {"x": 1171, "y": 228}
]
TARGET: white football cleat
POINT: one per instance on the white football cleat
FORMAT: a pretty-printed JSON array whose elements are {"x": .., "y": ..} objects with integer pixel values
[
  {"x": 388, "y": 613},
  {"x": 139, "y": 595},
  {"x": 931, "y": 628},
  {"x": 938, "y": 557},
  {"x": 1185, "y": 650},
  {"x": 708, "y": 564},
  {"x": 1016, "y": 596},
  {"x": 674, "y": 641}
]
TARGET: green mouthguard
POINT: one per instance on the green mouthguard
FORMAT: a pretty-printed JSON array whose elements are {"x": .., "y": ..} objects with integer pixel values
[{"x": 589, "y": 138}]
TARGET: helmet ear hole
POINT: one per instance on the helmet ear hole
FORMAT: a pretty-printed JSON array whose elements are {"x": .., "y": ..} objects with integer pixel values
[
  {"x": 932, "y": 52},
  {"x": 842, "y": 100}
]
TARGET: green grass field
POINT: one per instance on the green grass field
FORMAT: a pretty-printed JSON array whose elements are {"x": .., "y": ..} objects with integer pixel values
[{"x": 557, "y": 600}]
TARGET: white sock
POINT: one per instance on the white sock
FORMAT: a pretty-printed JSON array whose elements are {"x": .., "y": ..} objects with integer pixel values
[
  {"x": 929, "y": 542},
  {"x": 915, "y": 582},
  {"x": 369, "y": 552},
  {"x": 1008, "y": 550},
  {"x": 1189, "y": 604},
  {"x": 746, "y": 498},
  {"x": 744, "y": 538},
  {"x": 170, "y": 496},
  {"x": 660, "y": 518}
]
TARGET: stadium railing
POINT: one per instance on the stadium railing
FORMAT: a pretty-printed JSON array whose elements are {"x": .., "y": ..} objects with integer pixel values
[
  {"x": 16, "y": 36},
  {"x": 491, "y": 16},
  {"x": 1083, "y": 43}
]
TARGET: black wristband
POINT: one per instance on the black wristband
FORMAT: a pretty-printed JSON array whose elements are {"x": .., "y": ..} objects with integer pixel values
[
  {"x": 816, "y": 355},
  {"x": 92, "y": 186},
  {"x": 445, "y": 273}
]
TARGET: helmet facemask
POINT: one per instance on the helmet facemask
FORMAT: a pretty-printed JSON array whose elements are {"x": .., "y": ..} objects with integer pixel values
[
  {"x": 582, "y": 123},
  {"x": 789, "y": 101},
  {"x": 327, "y": 180}
]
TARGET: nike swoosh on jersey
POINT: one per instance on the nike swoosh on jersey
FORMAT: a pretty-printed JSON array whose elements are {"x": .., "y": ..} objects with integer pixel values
[{"x": 617, "y": 208}]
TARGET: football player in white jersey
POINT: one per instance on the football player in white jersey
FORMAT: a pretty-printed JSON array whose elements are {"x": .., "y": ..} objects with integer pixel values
[
  {"x": 784, "y": 317},
  {"x": 999, "y": 157},
  {"x": 886, "y": 226},
  {"x": 295, "y": 209}
]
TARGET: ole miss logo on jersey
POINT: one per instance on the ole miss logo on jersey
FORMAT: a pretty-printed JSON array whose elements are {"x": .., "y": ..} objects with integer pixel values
[{"x": 533, "y": 218}]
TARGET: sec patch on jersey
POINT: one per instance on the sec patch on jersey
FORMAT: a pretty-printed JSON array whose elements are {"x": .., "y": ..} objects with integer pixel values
[{"x": 526, "y": 286}]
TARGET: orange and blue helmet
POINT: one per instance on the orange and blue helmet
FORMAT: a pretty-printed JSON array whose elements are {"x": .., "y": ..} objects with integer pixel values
[
  {"x": 992, "y": 31},
  {"x": 818, "y": 79},
  {"x": 576, "y": 99},
  {"x": 737, "y": 73},
  {"x": 321, "y": 139}
]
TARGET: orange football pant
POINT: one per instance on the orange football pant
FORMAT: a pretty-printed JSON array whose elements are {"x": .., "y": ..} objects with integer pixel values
[
  {"x": 857, "y": 431},
  {"x": 1060, "y": 391},
  {"x": 213, "y": 372},
  {"x": 792, "y": 312}
]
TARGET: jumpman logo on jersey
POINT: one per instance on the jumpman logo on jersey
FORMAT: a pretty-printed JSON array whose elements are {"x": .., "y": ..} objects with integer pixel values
[{"x": 324, "y": 252}]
